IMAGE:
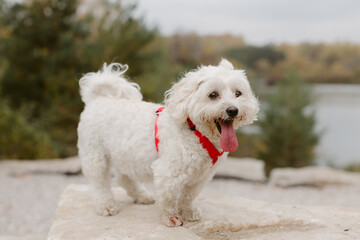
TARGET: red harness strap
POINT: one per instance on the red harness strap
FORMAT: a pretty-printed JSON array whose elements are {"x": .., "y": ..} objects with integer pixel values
[
  {"x": 156, "y": 128},
  {"x": 205, "y": 142}
]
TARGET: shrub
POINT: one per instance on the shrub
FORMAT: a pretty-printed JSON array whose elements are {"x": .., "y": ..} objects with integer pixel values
[
  {"x": 19, "y": 139},
  {"x": 288, "y": 136}
]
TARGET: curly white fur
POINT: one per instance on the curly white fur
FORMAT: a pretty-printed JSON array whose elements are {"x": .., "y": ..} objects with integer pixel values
[
  {"x": 117, "y": 130},
  {"x": 110, "y": 83}
]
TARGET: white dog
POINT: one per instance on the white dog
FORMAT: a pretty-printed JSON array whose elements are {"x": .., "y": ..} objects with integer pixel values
[{"x": 196, "y": 127}]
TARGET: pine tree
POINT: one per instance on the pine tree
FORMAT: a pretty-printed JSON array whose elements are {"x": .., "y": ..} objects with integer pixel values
[
  {"x": 288, "y": 134},
  {"x": 45, "y": 47}
]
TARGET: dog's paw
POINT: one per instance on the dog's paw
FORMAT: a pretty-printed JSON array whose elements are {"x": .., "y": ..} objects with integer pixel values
[
  {"x": 172, "y": 221},
  {"x": 109, "y": 210},
  {"x": 191, "y": 215},
  {"x": 145, "y": 199}
]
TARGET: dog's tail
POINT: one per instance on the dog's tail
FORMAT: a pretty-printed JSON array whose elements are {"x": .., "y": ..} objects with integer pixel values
[{"x": 109, "y": 82}]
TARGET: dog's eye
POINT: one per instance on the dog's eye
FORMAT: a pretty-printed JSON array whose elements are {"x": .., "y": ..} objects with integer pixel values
[
  {"x": 213, "y": 95},
  {"x": 238, "y": 93}
]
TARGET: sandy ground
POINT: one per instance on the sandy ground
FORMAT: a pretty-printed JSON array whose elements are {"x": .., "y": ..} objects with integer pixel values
[{"x": 28, "y": 200}]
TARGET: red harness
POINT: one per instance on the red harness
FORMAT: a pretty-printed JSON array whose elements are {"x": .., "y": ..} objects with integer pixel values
[
  {"x": 205, "y": 142},
  {"x": 156, "y": 128}
]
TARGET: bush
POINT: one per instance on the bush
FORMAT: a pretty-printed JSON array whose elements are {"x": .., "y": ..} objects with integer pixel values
[
  {"x": 21, "y": 140},
  {"x": 247, "y": 145},
  {"x": 355, "y": 167},
  {"x": 288, "y": 137}
]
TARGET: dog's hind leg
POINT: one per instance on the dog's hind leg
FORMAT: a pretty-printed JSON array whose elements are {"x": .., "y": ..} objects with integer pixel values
[
  {"x": 135, "y": 190},
  {"x": 95, "y": 167}
]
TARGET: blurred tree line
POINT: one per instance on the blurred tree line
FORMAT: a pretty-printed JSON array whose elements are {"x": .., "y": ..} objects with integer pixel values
[{"x": 46, "y": 45}]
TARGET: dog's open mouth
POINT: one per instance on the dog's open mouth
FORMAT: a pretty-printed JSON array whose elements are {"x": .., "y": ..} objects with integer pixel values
[{"x": 228, "y": 140}]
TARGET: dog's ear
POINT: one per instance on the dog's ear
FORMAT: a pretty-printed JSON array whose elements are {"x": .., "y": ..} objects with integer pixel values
[
  {"x": 178, "y": 97},
  {"x": 226, "y": 64},
  {"x": 251, "y": 108}
]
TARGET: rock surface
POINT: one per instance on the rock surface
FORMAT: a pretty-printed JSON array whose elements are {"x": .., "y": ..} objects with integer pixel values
[
  {"x": 30, "y": 192},
  {"x": 224, "y": 217},
  {"x": 36, "y": 237},
  {"x": 242, "y": 168},
  {"x": 312, "y": 176},
  {"x": 68, "y": 166}
]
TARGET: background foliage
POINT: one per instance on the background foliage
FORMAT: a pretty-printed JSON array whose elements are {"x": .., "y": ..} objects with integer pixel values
[{"x": 45, "y": 47}]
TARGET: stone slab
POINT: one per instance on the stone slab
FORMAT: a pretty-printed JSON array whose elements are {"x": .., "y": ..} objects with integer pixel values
[
  {"x": 242, "y": 168},
  {"x": 224, "y": 217},
  {"x": 312, "y": 176},
  {"x": 30, "y": 237},
  {"x": 67, "y": 166}
]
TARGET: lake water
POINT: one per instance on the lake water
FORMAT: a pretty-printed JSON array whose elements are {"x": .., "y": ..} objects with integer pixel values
[{"x": 337, "y": 109}]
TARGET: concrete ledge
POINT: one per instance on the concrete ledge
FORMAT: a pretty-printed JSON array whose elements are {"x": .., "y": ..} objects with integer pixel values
[
  {"x": 312, "y": 176},
  {"x": 66, "y": 166},
  {"x": 224, "y": 217},
  {"x": 23, "y": 237},
  {"x": 247, "y": 169}
]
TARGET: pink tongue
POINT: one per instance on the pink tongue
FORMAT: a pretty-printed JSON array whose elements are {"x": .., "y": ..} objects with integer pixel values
[{"x": 228, "y": 140}]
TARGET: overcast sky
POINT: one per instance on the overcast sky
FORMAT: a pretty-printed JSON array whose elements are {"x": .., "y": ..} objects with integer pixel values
[{"x": 259, "y": 21}]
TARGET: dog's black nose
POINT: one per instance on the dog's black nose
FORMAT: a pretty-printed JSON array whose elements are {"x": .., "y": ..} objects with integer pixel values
[{"x": 232, "y": 111}]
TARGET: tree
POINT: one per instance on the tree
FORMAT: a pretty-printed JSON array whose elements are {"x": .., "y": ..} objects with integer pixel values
[
  {"x": 288, "y": 134},
  {"x": 37, "y": 42},
  {"x": 118, "y": 36},
  {"x": 41, "y": 46},
  {"x": 46, "y": 45}
]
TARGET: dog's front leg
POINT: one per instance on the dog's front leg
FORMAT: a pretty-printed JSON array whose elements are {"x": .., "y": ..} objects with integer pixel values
[
  {"x": 168, "y": 193},
  {"x": 168, "y": 186},
  {"x": 188, "y": 211}
]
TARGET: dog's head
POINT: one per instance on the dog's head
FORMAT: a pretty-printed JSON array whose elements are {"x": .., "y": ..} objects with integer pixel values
[{"x": 216, "y": 98}]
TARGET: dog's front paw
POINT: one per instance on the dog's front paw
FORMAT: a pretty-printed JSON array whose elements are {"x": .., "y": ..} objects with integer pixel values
[
  {"x": 145, "y": 199},
  {"x": 107, "y": 210},
  {"x": 192, "y": 214},
  {"x": 172, "y": 221}
]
